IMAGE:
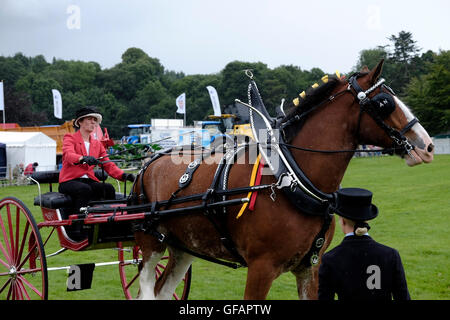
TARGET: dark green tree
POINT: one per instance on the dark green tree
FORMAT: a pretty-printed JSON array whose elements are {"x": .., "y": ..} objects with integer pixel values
[{"x": 429, "y": 95}]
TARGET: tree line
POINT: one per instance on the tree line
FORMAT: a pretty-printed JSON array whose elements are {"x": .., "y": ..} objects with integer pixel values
[{"x": 139, "y": 88}]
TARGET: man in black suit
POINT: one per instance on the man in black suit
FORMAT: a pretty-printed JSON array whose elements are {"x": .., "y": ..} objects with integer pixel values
[{"x": 360, "y": 268}]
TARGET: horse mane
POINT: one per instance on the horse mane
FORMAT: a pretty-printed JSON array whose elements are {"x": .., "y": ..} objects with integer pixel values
[{"x": 307, "y": 100}]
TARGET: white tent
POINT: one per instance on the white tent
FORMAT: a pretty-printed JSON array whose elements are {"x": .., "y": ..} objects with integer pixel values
[{"x": 29, "y": 147}]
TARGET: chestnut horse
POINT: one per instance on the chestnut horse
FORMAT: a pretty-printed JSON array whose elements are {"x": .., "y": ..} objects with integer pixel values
[{"x": 275, "y": 236}]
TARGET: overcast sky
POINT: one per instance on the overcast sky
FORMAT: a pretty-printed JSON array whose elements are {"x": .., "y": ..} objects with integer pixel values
[{"x": 202, "y": 36}]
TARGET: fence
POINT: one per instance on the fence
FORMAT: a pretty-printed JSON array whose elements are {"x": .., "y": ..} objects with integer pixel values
[
  {"x": 441, "y": 145},
  {"x": 10, "y": 176}
]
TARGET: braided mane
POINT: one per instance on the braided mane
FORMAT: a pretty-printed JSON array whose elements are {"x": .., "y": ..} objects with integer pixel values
[{"x": 307, "y": 100}]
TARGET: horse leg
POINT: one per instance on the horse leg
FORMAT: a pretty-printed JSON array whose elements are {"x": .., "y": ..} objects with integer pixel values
[
  {"x": 152, "y": 251},
  {"x": 307, "y": 282},
  {"x": 260, "y": 276},
  {"x": 177, "y": 266}
]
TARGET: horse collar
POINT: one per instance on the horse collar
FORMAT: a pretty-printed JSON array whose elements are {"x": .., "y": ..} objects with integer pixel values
[{"x": 290, "y": 178}]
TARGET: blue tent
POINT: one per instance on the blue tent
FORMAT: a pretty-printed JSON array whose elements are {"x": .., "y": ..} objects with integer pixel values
[{"x": 2, "y": 160}]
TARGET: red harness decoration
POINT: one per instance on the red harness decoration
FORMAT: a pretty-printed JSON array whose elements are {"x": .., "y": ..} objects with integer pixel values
[{"x": 257, "y": 183}]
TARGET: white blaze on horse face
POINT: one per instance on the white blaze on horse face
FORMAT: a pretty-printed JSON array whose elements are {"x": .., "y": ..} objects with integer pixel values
[{"x": 419, "y": 138}]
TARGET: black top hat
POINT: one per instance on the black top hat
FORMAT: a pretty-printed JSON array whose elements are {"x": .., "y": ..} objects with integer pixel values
[
  {"x": 86, "y": 112},
  {"x": 355, "y": 204}
]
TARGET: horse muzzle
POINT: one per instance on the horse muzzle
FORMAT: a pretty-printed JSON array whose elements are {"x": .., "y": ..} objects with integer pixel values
[{"x": 423, "y": 151}]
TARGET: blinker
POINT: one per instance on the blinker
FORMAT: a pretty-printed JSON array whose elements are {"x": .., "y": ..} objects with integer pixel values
[{"x": 383, "y": 104}]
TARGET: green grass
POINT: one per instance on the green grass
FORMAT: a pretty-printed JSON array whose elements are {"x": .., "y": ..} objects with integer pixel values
[{"x": 414, "y": 205}]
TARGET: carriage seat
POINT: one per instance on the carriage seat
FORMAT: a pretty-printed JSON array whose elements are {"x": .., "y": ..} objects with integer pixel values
[
  {"x": 54, "y": 200},
  {"x": 53, "y": 176}
]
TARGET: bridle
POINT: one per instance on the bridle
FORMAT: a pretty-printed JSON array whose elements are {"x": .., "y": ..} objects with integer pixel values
[{"x": 378, "y": 108}]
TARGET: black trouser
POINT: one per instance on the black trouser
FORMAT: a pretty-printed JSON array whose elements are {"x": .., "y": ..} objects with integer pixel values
[{"x": 83, "y": 190}]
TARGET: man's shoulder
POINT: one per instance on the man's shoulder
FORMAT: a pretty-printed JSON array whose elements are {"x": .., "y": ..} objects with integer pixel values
[{"x": 384, "y": 248}]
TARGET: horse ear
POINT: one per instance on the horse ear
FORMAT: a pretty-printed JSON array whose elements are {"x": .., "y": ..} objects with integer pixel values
[
  {"x": 364, "y": 69},
  {"x": 376, "y": 72}
]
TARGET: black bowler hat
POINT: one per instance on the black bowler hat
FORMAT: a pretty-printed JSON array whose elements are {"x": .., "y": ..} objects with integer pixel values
[
  {"x": 355, "y": 204},
  {"x": 86, "y": 112}
]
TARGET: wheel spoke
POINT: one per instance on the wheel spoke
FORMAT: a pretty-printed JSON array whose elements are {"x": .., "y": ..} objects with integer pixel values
[
  {"x": 26, "y": 257},
  {"x": 17, "y": 292},
  {"x": 7, "y": 256},
  {"x": 17, "y": 231},
  {"x": 10, "y": 291},
  {"x": 25, "y": 281},
  {"x": 22, "y": 244},
  {"x": 11, "y": 233},
  {"x": 26, "y": 271},
  {"x": 5, "y": 285},
  {"x": 21, "y": 288},
  {"x": 132, "y": 281},
  {"x": 5, "y": 237}
]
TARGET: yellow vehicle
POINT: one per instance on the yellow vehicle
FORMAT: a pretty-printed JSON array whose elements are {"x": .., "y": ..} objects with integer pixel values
[{"x": 232, "y": 127}]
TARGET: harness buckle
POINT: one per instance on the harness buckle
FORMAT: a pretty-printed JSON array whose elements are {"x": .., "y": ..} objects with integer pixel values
[{"x": 273, "y": 195}]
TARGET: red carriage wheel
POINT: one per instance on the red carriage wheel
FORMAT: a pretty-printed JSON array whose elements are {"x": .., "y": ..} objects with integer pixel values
[
  {"x": 23, "y": 267},
  {"x": 130, "y": 265}
]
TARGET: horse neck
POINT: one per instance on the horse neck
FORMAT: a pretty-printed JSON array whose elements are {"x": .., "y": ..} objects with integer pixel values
[{"x": 330, "y": 128}]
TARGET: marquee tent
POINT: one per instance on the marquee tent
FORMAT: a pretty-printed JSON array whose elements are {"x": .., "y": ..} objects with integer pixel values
[
  {"x": 29, "y": 147},
  {"x": 2, "y": 160}
]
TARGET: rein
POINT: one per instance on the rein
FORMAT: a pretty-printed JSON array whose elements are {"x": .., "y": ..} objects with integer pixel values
[{"x": 384, "y": 150}]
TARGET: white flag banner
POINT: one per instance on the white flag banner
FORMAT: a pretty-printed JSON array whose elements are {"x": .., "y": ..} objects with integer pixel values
[
  {"x": 2, "y": 97},
  {"x": 181, "y": 103},
  {"x": 57, "y": 104},
  {"x": 214, "y": 100}
]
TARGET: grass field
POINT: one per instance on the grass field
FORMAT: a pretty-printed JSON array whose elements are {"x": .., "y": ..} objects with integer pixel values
[{"x": 414, "y": 206}]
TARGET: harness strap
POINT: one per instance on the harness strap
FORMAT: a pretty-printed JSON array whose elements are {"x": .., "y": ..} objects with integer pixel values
[
  {"x": 172, "y": 241},
  {"x": 311, "y": 258},
  {"x": 409, "y": 125}
]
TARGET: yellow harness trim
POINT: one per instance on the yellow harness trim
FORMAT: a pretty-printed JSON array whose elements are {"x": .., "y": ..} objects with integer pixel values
[
  {"x": 252, "y": 183},
  {"x": 302, "y": 95}
]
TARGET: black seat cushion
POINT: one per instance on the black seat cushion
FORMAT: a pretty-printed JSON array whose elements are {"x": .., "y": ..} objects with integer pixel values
[
  {"x": 54, "y": 200},
  {"x": 53, "y": 176},
  {"x": 46, "y": 176}
]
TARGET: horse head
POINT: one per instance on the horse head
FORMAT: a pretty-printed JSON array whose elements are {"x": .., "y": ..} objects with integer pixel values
[{"x": 385, "y": 118}]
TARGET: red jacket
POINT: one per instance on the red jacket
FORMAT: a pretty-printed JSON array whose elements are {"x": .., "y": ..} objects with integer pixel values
[
  {"x": 29, "y": 169},
  {"x": 73, "y": 149}
]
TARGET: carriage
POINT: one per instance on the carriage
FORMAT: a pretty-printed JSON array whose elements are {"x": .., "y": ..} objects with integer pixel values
[
  {"x": 291, "y": 224},
  {"x": 22, "y": 244}
]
